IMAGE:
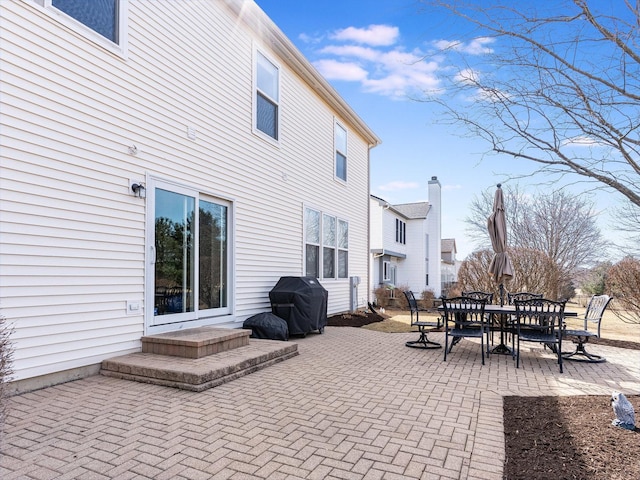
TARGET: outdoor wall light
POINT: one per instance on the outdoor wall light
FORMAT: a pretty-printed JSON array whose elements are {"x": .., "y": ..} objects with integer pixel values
[{"x": 139, "y": 190}]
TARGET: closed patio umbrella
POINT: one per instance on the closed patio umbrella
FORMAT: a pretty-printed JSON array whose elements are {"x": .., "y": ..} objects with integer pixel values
[{"x": 501, "y": 268}]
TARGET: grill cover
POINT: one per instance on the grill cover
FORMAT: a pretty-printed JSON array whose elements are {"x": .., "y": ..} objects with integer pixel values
[
  {"x": 267, "y": 325},
  {"x": 302, "y": 302}
]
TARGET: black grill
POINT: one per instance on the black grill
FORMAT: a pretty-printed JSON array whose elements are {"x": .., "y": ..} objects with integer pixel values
[{"x": 301, "y": 302}]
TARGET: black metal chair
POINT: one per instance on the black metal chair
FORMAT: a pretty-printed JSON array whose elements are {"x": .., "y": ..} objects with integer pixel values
[
  {"x": 592, "y": 321},
  {"x": 512, "y": 297},
  {"x": 478, "y": 295},
  {"x": 510, "y": 322},
  {"x": 464, "y": 317},
  {"x": 540, "y": 320},
  {"x": 488, "y": 296},
  {"x": 421, "y": 325}
]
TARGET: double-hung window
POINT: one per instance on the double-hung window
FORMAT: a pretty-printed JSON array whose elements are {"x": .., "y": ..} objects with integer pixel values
[
  {"x": 98, "y": 19},
  {"x": 267, "y": 97},
  {"x": 326, "y": 245},
  {"x": 340, "y": 142},
  {"x": 401, "y": 231},
  {"x": 386, "y": 271}
]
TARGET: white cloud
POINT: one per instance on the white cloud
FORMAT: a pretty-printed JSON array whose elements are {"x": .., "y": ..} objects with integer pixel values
[
  {"x": 447, "y": 44},
  {"x": 398, "y": 185},
  {"x": 306, "y": 38},
  {"x": 336, "y": 70},
  {"x": 468, "y": 76},
  {"x": 393, "y": 73},
  {"x": 581, "y": 141},
  {"x": 376, "y": 35},
  {"x": 356, "y": 51},
  {"x": 368, "y": 56},
  {"x": 477, "y": 46}
]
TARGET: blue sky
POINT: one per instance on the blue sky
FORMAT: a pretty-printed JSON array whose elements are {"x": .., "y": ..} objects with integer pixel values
[{"x": 378, "y": 54}]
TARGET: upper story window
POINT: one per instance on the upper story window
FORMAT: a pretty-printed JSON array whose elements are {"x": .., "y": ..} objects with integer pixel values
[
  {"x": 99, "y": 20},
  {"x": 267, "y": 91},
  {"x": 401, "y": 231},
  {"x": 326, "y": 245},
  {"x": 340, "y": 141}
]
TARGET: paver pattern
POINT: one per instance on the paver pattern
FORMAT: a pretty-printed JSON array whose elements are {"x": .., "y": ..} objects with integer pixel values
[{"x": 355, "y": 404}]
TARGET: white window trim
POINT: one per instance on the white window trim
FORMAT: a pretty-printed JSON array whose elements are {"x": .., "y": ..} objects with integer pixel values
[
  {"x": 200, "y": 317},
  {"x": 336, "y": 124},
  {"x": 321, "y": 244},
  {"x": 80, "y": 28},
  {"x": 386, "y": 271},
  {"x": 254, "y": 95}
]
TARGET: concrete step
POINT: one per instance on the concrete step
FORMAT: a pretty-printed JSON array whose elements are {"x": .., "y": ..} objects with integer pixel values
[
  {"x": 195, "y": 342},
  {"x": 198, "y": 374}
]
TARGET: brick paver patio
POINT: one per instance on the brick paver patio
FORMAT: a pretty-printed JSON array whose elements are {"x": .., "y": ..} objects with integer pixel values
[{"x": 355, "y": 404}]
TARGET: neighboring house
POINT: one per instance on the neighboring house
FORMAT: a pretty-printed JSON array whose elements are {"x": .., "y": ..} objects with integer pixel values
[
  {"x": 163, "y": 164},
  {"x": 405, "y": 243},
  {"x": 450, "y": 265}
]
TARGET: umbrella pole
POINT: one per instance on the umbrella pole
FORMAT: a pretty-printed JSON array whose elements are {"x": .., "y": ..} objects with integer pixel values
[{"x": 502, "y": 348}]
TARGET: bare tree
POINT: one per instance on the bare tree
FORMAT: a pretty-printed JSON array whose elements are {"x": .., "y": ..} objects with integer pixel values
[
  {"x": 558, "y": 85},
  {"x": 628, "y": 222},
  {"x": 623, "y": 283},
  {"x": 534, "y": 272},
  {"x": 560, "y": 225},
  {"x": 474, "y": 273}
]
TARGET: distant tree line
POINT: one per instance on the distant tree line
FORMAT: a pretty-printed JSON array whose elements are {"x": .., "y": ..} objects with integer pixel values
[{"x": 552, "y": 237}]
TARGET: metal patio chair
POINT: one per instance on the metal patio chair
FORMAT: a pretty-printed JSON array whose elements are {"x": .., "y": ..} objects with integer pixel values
[
  {"x": 488, "y": 296},
  {"x": 464, "y": 317},
  {"x": 510, "y": 322},
  {"x": 421, "y": 325},
  {"x": 539, "y": 320},
  {"x": 478, "y": 295},
  {"x": 592, "y": 321}
]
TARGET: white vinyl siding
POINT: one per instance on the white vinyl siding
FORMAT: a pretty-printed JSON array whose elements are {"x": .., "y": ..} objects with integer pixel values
[{"x": 74, "y": 248}]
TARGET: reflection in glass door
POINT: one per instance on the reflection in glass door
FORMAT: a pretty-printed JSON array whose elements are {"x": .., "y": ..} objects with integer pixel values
[
  {"x": 190, "y": 256},
  {"x": 174, "y": 252},
  {"x": 212, "y": 239}
]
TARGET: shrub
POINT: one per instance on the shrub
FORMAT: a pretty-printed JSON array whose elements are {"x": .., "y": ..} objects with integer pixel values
[
  {"x": 6, "y": 353},
  {"x": 391, "y": 296},
  {"x": 622, "y": 283},
  {"x": 426, "y": 298}
]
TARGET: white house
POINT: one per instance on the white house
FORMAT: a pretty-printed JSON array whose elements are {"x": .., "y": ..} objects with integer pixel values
[
  {"x": 405, "y": 242},
  {"x": 450, "y": 265},
  {"x": 163, "y": 164}
]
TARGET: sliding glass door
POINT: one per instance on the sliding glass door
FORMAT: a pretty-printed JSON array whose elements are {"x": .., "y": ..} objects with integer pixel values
[{"x": 190, "y": 250}]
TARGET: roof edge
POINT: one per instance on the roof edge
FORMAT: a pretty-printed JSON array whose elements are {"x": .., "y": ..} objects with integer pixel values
[{"x": 256, "y": 19}]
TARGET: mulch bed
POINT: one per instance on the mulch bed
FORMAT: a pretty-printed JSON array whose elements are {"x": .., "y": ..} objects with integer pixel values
[
  {"x": 357, "y": 319},
  {"x": 563, "y": 438},
  {"x": 568, "y": 438}
]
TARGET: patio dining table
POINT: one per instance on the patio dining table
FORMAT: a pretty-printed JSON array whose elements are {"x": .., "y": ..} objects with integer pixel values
[{"x": 501, "y": 312}]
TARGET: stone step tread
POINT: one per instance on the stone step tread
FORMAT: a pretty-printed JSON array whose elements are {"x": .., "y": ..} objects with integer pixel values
[
  {"x": 197, "y": 337},
  {"x": 195, "y": 342},
  {"x": 198, "y": 374}
]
